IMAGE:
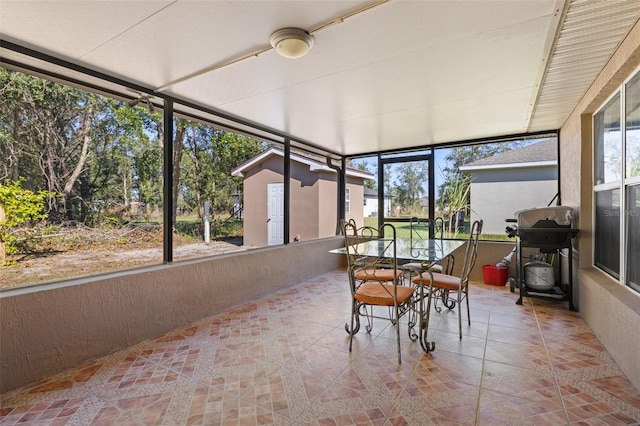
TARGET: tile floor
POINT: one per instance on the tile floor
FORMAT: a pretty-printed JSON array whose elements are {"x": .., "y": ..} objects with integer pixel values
[{"x": 284, "y": 360}]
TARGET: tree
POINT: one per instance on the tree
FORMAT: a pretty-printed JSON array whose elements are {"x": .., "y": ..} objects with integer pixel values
[
  {"x": 409, "y": 186},
  {"x": 455, "y": 199},
  {"x": 211, "y": 155},
  {"x": 105, "y": 157},
  {"x": 47, "y": 131},
  {"x": 17, "y": 205},
  {"x": 366, "y": 166}
]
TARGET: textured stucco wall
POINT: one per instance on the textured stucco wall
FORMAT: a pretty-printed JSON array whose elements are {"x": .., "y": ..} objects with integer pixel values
[
  {"x": 255, "y": 210},
  {"x": 305, "y": 186},
  {"x": 48, "y": 328},
  {"x": 328, "y": 205},
  {"x": 356, "y": 205},
  {"x": 610, "y": 309}
]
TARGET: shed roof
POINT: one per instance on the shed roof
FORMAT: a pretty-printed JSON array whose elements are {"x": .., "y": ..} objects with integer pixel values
[
  {"x": 373, "y": 194},
  {"x": 544, "y": 153},
  {"x": 314, "y": 165}
]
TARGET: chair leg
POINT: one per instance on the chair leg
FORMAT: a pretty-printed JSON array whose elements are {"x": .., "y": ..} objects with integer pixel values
[
  {"x": 460, "y": 312},
  {"x": 351, "y": 331},
  {"x": 397, "y": 326},
  {"x": 355, "y": 323},
  {"x": 466, "y": 296}
]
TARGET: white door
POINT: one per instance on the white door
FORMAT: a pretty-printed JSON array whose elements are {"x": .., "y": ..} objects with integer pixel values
[{"x": 275, "y": 207}]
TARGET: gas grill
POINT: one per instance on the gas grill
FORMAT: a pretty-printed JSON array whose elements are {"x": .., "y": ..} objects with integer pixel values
[{"x": 551, "y": 231}]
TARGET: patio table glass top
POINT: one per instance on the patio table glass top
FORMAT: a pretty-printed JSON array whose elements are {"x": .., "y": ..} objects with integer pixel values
[{"x": 407, "y": 250}]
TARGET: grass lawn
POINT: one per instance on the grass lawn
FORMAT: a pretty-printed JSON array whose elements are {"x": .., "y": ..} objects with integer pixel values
[{"x": 403, "y": 230}]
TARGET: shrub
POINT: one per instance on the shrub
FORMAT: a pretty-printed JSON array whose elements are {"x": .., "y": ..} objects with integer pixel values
[{"x": 17, "y": 206}]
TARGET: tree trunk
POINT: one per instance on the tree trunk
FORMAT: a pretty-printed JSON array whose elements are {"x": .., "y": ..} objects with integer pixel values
[
  {"x": 178, "y": 147},
  {"x": 3, "y": 254},
  {"x": 84, "y": 153},
  {"x": 125, "y": 191}
]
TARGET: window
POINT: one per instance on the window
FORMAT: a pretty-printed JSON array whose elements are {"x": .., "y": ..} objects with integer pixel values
[
  {"x": 94, "y": 165},
  {"x": 632, "y": 181},
  {"x": 616, "y": 128},
  {"x": 100, "y": 167},
  {"x": 607, "y": 231},
  {"x": 608, "y": 145},
  {"x": 633, "y": 243},
  {"x": 347, "y": 202},
  {"x": 489, "y": 181},
  {"x": 215, "y": 183}
]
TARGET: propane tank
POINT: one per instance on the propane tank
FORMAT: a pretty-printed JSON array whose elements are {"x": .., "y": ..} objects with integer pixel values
[{"x": 538, "y": 276}]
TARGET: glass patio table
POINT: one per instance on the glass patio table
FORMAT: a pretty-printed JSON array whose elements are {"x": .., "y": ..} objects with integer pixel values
[{"x": 428, "y": 252}]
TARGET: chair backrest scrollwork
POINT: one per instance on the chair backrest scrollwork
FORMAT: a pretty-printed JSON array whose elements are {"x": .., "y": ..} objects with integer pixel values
[
  {"x": 383, "y": 257},
  {"x": 471, "y": 252}
]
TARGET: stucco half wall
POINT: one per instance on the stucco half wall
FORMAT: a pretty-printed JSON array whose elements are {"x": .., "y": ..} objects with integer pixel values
[
  {"x": 52, "y": 327},
  {"x": 49, "y": 328}
]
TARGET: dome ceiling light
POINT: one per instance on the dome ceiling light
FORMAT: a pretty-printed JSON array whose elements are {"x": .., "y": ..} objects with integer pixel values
[
  {"x": 291, "y": 42},
  {"x": 288, "y": 42}
]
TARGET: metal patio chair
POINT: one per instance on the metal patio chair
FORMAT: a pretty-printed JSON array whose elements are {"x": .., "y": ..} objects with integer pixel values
[
  {"x": 458, "y": 285},
  {"x": 375, "y": 279}
]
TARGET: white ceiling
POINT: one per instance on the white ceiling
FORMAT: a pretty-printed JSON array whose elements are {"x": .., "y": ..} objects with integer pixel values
[{"x": 400, "y": 74}]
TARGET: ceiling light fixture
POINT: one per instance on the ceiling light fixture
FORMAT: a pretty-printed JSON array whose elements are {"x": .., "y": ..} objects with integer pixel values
[
  {"x": 306, "y": 35},
  {"x": 291, "y": 42}
]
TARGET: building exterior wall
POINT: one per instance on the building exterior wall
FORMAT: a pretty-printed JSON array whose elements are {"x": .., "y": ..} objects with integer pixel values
[
  {"x": 305, "y": 199},
  {"x": 497, "y": 194},
  {"x": 611, "y": 310},
  {"x": 371, "y": 208},
  {"x": 255, "y": 200},
  {"x": 314, "y": 202},
  {"x": 327, "y": 205},
  {"x": 356, "y": 205}
]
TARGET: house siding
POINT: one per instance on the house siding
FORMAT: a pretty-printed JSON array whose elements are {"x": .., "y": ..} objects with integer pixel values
[{"x": 497, "y": 194}]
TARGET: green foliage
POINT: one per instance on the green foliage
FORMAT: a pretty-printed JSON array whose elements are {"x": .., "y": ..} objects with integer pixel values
[
  {"x": 107, "y": 158},
  {"x": 408, "y": 187},
  {"x": 365, "y": 166},
  {"x": 205, "y": 171},
  {"x": 19, "y": 205},
  {"x": 44, "y": 126},
  {"x": 456, "y": 197}
]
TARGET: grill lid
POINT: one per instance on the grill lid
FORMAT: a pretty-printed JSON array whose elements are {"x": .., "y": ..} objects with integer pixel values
[{"x": 562, "y": 215}]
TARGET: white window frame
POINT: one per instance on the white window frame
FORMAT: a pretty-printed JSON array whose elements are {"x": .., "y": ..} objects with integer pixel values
[{"x": 622, "y": 185}]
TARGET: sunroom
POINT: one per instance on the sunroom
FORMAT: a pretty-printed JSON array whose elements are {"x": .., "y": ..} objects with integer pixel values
[{"x": 377, "y": 85}]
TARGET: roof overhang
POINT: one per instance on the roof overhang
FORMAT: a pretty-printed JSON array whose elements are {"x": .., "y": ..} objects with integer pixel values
[{"x": 529, "y": 164}]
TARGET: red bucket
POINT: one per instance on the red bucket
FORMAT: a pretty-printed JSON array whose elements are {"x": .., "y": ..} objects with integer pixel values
[{"x": 495, "y": 275}]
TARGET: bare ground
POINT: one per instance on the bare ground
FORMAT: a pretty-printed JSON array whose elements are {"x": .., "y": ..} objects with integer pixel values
[{"x": 110, "y": 257}]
